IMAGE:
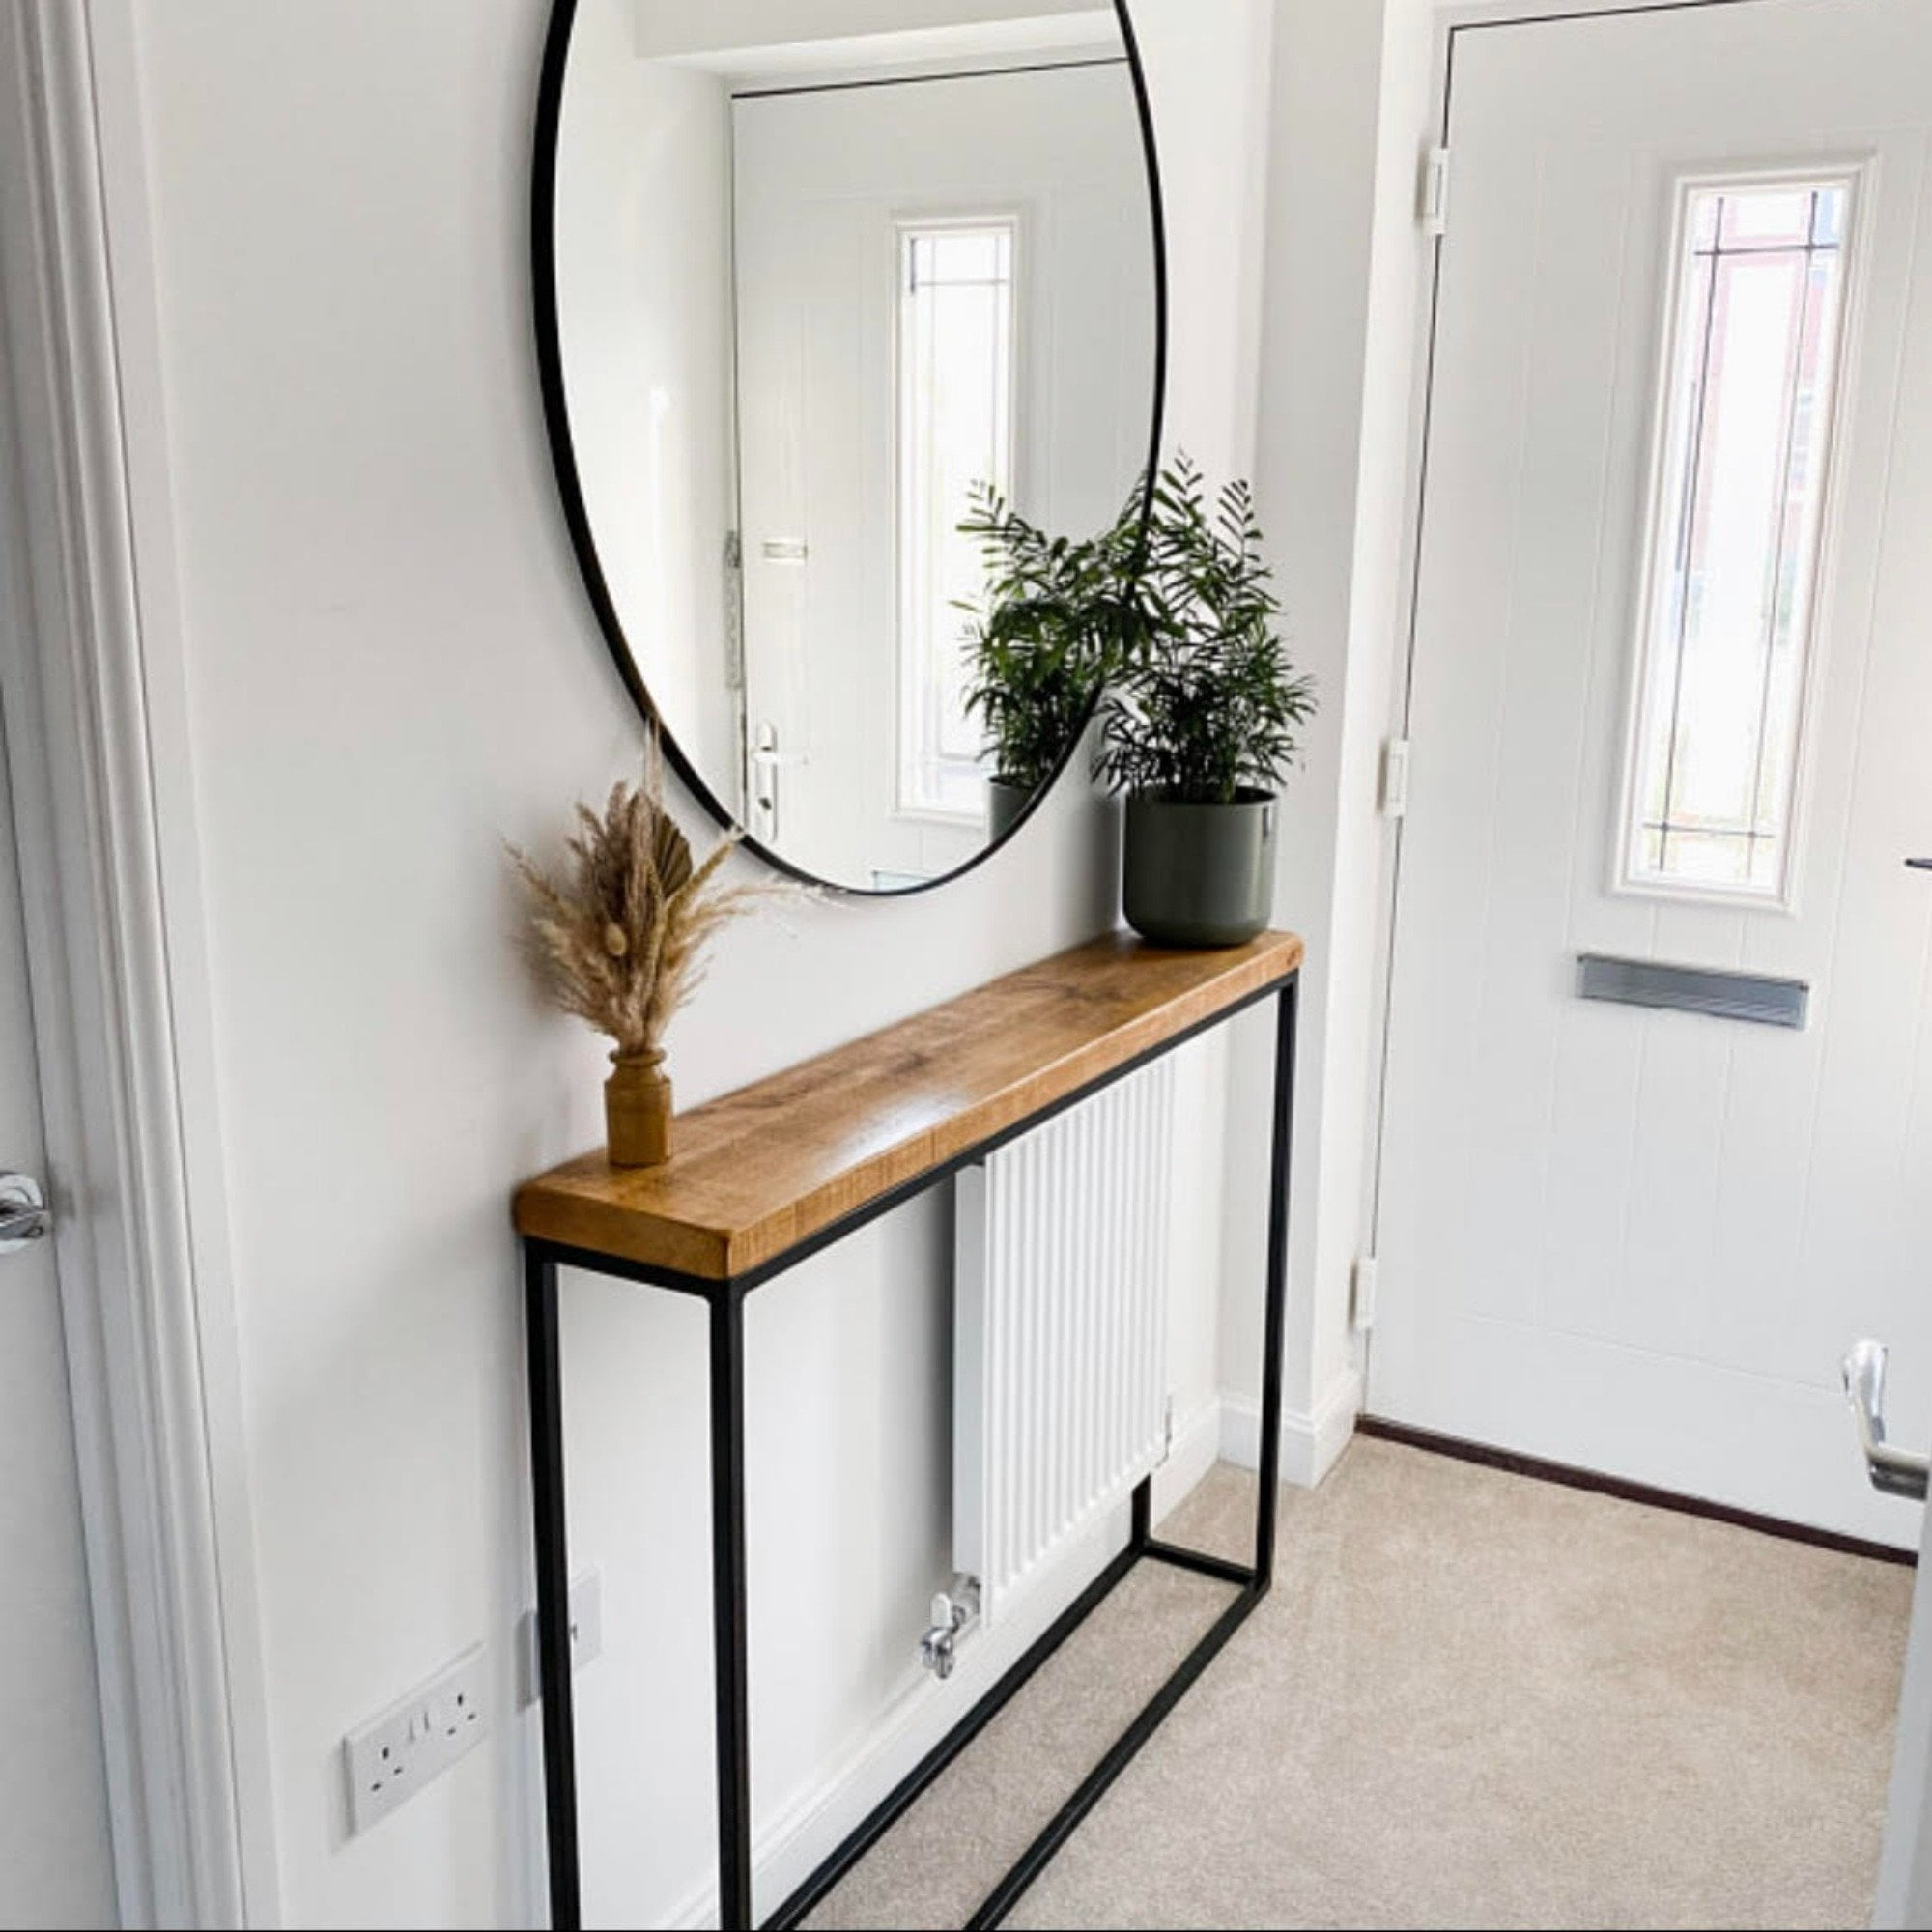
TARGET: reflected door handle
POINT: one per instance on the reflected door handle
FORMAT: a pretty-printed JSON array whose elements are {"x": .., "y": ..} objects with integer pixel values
[
  {"x": 1893, "y": 1472},
  {"x": 762, "y": 763},
  {"x": 23, "y": 1212}
]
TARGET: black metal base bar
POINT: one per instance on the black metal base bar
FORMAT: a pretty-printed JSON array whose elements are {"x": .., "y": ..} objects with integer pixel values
[
  {"x": 1223, "y": 1568},
  {"x": 1041, "y": 1853},
  {"x": 1066, "y": 1820},
  {"x": 898, "y": 1802}
]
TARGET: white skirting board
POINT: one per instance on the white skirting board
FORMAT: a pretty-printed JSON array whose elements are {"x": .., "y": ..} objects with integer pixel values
[
  {"x": 1310, "y": 1443},
  {"x": 1196, "y": 1448}
]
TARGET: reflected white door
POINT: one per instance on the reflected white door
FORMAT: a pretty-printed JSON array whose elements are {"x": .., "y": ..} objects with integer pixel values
[
  {"x": 55, "y": 1860},
  {"x": 1635, "y": 1240},
  {"x": 828, "y": 184}
]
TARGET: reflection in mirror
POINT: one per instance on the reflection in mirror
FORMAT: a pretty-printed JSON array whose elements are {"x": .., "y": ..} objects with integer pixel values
[{"x": 823, "y": 270}]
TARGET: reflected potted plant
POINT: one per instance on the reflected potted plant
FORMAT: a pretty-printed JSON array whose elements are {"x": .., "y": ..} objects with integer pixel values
[
  {"x": 1055, "y": 615},
  {"x": 1199, "y": 720}
]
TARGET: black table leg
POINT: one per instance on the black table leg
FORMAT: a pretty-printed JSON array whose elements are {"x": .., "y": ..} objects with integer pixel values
[
  {"x": 553, "y": 1557},
  {"x": 729, "y": 1645},
  {"x": 1275, "y": 1307}
]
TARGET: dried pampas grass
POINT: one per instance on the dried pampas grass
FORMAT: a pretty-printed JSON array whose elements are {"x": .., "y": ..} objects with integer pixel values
[{"x": 620, "y": 935}]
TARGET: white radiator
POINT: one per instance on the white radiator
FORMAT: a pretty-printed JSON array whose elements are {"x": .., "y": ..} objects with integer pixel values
[{"x": 1060, "y": 1366}]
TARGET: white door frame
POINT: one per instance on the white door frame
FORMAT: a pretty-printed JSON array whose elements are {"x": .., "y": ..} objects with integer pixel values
[
  {"x": 1905, "y": 1877},
  {"x": 104, "y": 818},
  {"x": 1905, "y": 1867}
]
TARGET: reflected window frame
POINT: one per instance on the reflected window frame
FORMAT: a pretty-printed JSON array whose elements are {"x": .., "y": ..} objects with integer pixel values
[{"x": 931, "y": 783}]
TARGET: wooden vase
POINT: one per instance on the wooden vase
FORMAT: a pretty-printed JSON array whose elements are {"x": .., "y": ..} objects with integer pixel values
[{"x": 636, "y": 1110}]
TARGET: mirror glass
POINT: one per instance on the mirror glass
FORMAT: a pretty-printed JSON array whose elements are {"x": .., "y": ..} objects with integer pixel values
[{"x": 810, "y": 273}]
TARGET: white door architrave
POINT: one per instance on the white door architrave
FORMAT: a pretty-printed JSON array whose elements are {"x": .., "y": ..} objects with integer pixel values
[{"x": 103, "y": 819}]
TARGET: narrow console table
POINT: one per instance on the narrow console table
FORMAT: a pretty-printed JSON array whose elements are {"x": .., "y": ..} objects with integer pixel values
[{"x": 771, "y": 1173}]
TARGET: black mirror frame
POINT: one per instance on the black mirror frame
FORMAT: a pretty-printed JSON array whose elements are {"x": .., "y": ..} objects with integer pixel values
[{"x": 570, "y": 490}]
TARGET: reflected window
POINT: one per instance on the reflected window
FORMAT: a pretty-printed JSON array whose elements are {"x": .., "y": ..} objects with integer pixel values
[
  {"x": 1750, "y": 377},
  {"x": 955, "y": 430}
]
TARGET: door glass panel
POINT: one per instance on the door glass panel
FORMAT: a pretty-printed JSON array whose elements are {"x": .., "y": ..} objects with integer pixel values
[
  {"x": 1751, "y": 375},
  {"x": 956, "y": 430}
]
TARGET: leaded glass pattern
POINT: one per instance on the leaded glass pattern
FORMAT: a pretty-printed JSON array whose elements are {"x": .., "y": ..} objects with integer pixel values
[{"x": 1751, "y": 373}]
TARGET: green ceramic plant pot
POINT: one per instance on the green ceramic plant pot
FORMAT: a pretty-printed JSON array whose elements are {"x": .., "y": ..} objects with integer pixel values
[
  {"x": 1200, "y": 874},
  {"x": 1005, "y": 802}
]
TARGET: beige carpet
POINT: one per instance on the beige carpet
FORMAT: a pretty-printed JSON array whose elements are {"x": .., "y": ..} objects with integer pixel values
[{"x": 1472, "y": 1699}]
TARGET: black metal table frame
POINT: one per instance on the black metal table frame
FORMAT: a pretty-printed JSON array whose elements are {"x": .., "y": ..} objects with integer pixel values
[{"x": 726, "y": 1302}]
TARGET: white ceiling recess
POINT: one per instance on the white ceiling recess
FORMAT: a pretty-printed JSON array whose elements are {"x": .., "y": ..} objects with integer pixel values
[{"x": 762, "y": 39}]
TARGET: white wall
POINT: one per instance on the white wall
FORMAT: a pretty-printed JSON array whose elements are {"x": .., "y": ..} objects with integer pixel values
[
  {"x": 392, "y": 668},
  {"x": 643, "y": 294},
  {"x": 1346, "y": 261}
]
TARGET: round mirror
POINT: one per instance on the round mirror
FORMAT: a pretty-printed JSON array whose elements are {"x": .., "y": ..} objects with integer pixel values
[{"x": 845, "y": 308}]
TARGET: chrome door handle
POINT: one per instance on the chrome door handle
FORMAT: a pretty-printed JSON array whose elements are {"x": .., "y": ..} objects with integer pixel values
[
  {"x": 1893, "y": 1472},
  {"x": 23, "y": 1212},
  {"x": 1920, "y": 864}
]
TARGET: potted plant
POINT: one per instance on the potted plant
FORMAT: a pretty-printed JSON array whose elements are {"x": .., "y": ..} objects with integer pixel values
[
  {"x": 1054, "y": 616},
  {"x": 1199, "y": 720}
]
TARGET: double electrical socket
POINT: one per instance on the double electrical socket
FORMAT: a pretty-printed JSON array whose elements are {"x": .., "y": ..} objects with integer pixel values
[{"x": 393, "y": 1756}]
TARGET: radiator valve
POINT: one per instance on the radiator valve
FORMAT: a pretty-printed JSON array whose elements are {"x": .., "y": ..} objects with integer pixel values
[{"x": 954, "y": 1611}]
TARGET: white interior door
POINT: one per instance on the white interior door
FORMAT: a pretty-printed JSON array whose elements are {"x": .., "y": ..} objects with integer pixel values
[
  {"x": 1671, "y": 701},
  {"x": 1905, "y": 1869},
  {"x": 828, "y": 184},
  {"x": 55, "y": 1860}
]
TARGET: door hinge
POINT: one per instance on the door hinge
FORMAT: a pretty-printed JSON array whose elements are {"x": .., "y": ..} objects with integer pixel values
[
  {"x": 1395, "y": 779},
  {"x": 1362, "y": 1295},
  {"x": 1433, "y": 204}
]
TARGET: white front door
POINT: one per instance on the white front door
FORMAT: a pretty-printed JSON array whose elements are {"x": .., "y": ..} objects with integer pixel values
[
  {"x": 1671, "y": 703},
  {"x": 1014, "y": 182},
  {"x": 55, "y": 1860}
]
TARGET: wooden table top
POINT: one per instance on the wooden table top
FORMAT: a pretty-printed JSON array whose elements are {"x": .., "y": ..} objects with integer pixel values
[{"x": 755, "y": 1173}]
